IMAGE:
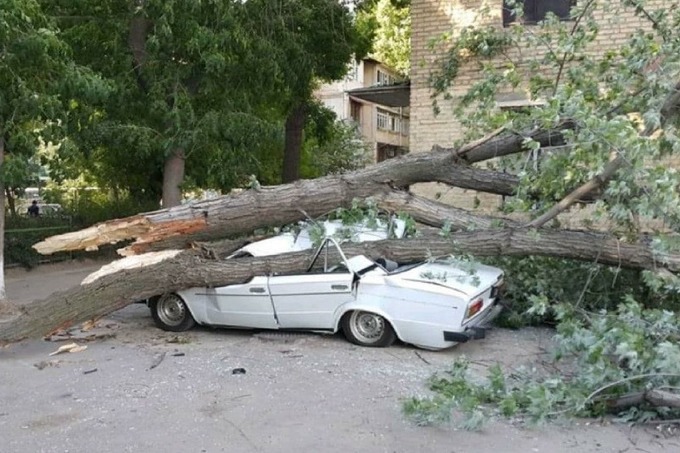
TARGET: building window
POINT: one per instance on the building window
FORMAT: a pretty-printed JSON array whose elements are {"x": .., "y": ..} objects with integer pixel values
[
  {"x": 384, "y": 78},
  {"x": 355, "y": 111},
  {"x": 383, "y": 120},
  {"x": 388, "y": 121},
  {"x": 537, "y": 10}
]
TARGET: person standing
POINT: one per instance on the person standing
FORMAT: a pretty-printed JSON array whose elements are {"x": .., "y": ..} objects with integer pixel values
[{"x": 34, "y": 209}]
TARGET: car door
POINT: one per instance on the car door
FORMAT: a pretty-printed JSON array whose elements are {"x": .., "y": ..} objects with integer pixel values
[
  {"x": 244, "y": 305},
  {"x": 309, "y": 300}
]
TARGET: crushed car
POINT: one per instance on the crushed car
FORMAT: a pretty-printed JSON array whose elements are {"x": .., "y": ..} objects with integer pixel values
[{"x": 432, "y": 305}]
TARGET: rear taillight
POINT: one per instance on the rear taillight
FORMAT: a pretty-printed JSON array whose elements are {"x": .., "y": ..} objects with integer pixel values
[{"x": 474, "y": 308}]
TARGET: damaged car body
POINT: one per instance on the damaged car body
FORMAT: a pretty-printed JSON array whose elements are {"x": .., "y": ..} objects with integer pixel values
[{"x": 432, "y": 305}]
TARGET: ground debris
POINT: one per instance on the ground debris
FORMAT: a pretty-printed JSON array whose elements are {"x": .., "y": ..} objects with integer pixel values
[
  {"x": 71, "y": 347},
  {"x": 421, "y": 357},
  {"x": 89, "y": 331},
  {"x": 179, "y": 340},
  {"x": 157, "y": 361},
  {"x": 46, "y": 363}
]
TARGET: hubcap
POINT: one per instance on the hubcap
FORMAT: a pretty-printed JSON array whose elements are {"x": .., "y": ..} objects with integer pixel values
[
  {"x": 171, "y": 310},
  {"x": 366, "y": 327}
]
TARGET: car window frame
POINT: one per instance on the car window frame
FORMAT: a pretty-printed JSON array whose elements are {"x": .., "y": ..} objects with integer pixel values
[{"x": 324, "y": 247}]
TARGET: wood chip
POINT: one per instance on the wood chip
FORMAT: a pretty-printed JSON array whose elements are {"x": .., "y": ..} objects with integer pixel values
[{"x": 71, "y": 347}]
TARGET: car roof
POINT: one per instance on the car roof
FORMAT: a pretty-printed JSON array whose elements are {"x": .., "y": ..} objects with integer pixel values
[{"x": 289, "y": 242}]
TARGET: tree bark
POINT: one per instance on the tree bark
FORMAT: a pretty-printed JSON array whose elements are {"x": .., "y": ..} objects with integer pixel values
[
  {"x": 173, "y": 176},
  {"x": 504, "y": 143},
  {"x": 295, "y": 125},
  {"x": 138, "y": 277}
]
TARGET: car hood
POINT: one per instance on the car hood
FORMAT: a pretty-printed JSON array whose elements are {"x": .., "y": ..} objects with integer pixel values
[{"x": 469, "y": 278}]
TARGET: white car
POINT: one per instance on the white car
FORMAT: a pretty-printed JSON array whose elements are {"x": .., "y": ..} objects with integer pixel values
[{"x": 430, "y": 305}]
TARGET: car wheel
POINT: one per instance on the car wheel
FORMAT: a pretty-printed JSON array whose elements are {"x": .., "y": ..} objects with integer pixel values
[
  {"x": 368, "y": 329},
  {"x": 169, "y": 312}
]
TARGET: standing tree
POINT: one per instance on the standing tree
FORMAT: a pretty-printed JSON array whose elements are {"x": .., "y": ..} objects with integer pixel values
[
  {"x": 38, "y": 84},
  {"x": 308, "y": 41},
  {"x": 389, "y": 23},
  {"x": 188, "y": 104},
  {"x": 201, "y": 87}
]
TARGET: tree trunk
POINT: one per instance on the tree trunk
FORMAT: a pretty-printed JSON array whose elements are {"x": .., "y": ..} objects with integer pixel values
[
  {"x": 11, "y": 201},
  {"x": 138, "y": 277},
  {"x": 173, "y": 176},
  {"x": 139, "y": 29},
  {"x": 3, "y": 291},
  {"x": 295, "y": 125}
]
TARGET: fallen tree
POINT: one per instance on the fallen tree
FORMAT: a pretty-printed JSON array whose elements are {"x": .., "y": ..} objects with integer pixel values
[
  {"x": 171, "y": 231},
  {"x": 138, "y": 277}
]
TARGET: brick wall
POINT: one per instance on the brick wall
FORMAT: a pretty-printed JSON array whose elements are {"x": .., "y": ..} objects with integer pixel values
[{"x": 431, "y": 20}]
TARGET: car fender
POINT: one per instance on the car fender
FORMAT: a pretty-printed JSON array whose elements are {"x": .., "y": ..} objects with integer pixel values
[
  {"x": 199, "y": 317},
  {"x": 363, "y": 305}
]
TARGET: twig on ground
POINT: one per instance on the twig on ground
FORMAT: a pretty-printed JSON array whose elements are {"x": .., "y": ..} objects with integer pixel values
[{"x": 421, "y": 357}]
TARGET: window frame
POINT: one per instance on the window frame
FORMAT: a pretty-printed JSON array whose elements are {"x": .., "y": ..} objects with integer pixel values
[{"x": 537, "y": 10}]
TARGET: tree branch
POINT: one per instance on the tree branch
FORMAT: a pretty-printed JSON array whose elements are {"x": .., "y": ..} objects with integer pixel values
[{"x": 668, "y": 110}]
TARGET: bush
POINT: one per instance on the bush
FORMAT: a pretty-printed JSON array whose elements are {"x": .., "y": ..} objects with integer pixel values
[
  {"x": 80, "y": 211},
  {"x": 19, "y": 241},
  {"x": 535, "y": 284}
]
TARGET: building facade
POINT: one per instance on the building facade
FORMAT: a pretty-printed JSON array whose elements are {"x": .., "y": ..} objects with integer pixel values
[
  {"x": 434, "y": 23},
  {"x": 363, "y": 98}
]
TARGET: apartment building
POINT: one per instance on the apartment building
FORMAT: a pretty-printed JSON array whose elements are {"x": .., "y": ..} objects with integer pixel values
[
  {"x": 434, "y": 19},
  {"x": 373, "y": 96}
]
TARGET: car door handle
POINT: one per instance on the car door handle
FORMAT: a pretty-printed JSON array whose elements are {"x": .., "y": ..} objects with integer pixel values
[
  {"x": 339, "y": 287},
  {"x": 257, "y": 290}
]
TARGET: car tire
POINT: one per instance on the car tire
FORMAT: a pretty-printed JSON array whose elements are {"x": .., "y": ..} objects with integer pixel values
[
  {"x": 170, "y": 312},
  {"x": 368, "y": 329}
]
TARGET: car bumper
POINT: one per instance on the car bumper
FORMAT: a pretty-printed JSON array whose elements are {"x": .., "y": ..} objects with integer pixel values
[{"x": 477, "y": 328}]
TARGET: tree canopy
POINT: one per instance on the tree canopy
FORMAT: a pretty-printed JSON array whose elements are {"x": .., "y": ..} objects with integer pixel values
[
  {"x": 39, "y": 86},
  {"x": 201, "y": 88}
]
